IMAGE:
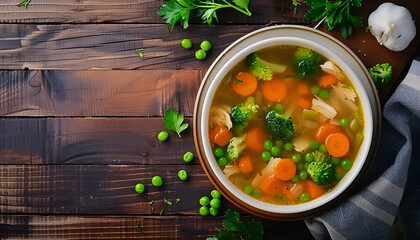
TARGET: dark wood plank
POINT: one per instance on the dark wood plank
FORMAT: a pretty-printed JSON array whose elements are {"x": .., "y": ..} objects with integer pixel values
[
  {"x": 110, "y": 46},
  {"x": 135, "y": 11},
  {"x": 91, "y": 141},
  {"x": 143, "y": 93},
  {"x": 101, "y": 189},
  {"x": 125, "y": 227}
]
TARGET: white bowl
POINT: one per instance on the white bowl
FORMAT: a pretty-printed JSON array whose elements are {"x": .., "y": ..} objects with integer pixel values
[{"x": 204, "y": 100}]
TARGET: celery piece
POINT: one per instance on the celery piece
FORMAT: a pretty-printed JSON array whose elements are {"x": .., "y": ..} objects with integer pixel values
[
  {"x": 354, "y": 126},
  {"x": 349, "y": 133},
  {"x": 358, "y": 118},
  {"x": 310, "y": 114},
  {"x": 358, "y": 139}
]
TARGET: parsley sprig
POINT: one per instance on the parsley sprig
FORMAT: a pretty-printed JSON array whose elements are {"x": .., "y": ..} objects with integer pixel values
[
  {"x": 232, "y": 223},
  {"x": 336, "y": 13},
  {"x": 174, "y": 11},
  {"x": 173, "y": 121},
  {"x": 24, "y": 3}
]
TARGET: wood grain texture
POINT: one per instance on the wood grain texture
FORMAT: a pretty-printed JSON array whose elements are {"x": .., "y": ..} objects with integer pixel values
[
  {"x": 125, "y": 227},
  {"x": 91, "y": 141},
  {"x": 136, "y": 11},
  {"x": 141, "y": 93},
  {"x": 101, "y": 189},
  {"x": 110, "y": 46}
]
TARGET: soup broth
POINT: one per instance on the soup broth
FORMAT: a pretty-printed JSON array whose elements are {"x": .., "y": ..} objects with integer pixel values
[{"x": 285, "y": 125}]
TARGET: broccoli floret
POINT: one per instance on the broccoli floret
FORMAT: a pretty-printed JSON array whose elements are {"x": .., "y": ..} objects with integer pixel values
[
  {"x": 321, "y": 170},
  {"x": 381, "y": 71},
  {"x": 280, "y": 126},
  {"x": 242, "y": 113},
  {"x": 308, "y": 62},
  {"x": 256, "y": 67},
  {"x": 235, "y": 147}
]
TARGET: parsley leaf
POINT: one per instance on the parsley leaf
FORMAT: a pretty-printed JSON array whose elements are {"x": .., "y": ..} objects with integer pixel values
[
  {"x": 167, "y": 201},
  {"x": 24, "y": 3},
  {"x": 232, "y": 223},
  {"x": 174, "y": 11},
  {"x": 336, "y": 14},
  {"x": 140, "y": 52},
  {"x": 173, "y": 121}
]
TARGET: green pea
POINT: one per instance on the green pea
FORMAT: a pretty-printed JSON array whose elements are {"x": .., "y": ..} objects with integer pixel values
[
  {"x": 216, "y": 194},
  {"x": 182, "y": 174},
  {"x": 315, "y": 90},
  {"x": 275, "y": 151},
  {"x": 205, "y": 45},
  {"x": 279, "y": 108},
  {"x": 288, "y": 146},
  {"x": 304, "y": 197},
  {"x": 218, "y": 152},
  {"x": 139, "y": 188},
  {"x": 303, "y": 175},
  {"x": 344, "y": 122},
  {"x": 346, "y": 164},
  {"x": 214, "y": 211},
  {"x": 300, "y": 166},
  {"x": 314, "y": 145},
  {"x": 200, "y": 54},
  {"x": 323, "y": 148},
  {"x": 186, "y": 43},
  {"x": 204, "y": 201},
  {"x": 324, "y": 94},
  {"x": 268, "y": 145},
  {"x": 309, "y": 157},
  {"x": 222, "y": 161},
  {"x": 306, "y": 166},
  {"x": 249, "y": 189},
  {"x": 265, "y": 156},
  {"x": 162, "y": 136},
  {"x": 335, "y": 161},
  {"x": 157, "y": 181},
  {"x": 188, "y": 157},
  {"x": 215, "y": 203},
  {"x": 295, "y": 179},
  {"x": 256, "y": 192},
  {"x": 279, "y": 143},
  {"x": 204, "y": 211},
  {"x": 296, "y": 158}
]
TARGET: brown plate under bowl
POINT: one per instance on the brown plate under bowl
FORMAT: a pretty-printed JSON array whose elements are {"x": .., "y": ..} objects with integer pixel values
[{"x": 332, "y": 49}]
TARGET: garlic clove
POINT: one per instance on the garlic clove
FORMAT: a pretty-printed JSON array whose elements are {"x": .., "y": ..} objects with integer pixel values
[{"x": 393, "y": 26}]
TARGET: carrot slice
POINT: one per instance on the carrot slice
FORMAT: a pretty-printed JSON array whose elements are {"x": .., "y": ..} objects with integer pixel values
[
  {"x": 285, "y": 169},
  {"x": 338, "y": 144},
  {"x": 312, "y": 189},
  {"x": 324, "y": 130},
  {"x": 272, "y": 185},
  {"x": 245, "y": 164},
  {"x": 305, "y": 103},
  {"x": 246, "y": 84},
  {"x": 220, "y": 136},
  {"x": 303, "y": 88},
  {"x": 255, "y": 139},
  {"x": 327, "y": 80},
  {"x": 274, "y": 90}
]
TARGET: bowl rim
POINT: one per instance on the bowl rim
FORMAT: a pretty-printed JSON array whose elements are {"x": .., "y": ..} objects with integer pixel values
[{"x": 229, "y": 190}]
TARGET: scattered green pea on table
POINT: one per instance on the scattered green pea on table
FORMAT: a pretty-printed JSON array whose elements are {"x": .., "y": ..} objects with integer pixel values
[
  {"x": 205, "y": 45},
  {"x": 139, "y": 188},
  {"x": 182, "y": 174},
  {"x": 200, "y": 54},
  {"x": 157, "y": 181},
  {"x": 188, "y": 157},
  {"x": 162, "y": 136},
  {"x": 186, "y": 43}
]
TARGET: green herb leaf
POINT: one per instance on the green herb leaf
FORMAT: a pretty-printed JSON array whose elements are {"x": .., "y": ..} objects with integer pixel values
[
  {"x": 24, "y": 3},
  {"x": 167, "y": 202},
  {"x": 295, "y": 3},
  {"x": 337, "y": 14},
  {"x": 255, "y": 229},
  {"x": 173, "y": 121},
  {"x": 368, "y": 28},
  {"x": 177, "y": 200},
  {"x": 178, "y": 11},
  {"x": 151, "y": 202},
  {"x": 140, "y": 52},
  {"x": 161, "y": 212},
  {"x": 237, "y": 80},
  {"x": 233, "y": 222},
  {"x": 139, "y": 229}
]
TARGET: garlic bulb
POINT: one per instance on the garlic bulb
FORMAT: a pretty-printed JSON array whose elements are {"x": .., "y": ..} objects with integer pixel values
[{"x": 393, "y": 26}]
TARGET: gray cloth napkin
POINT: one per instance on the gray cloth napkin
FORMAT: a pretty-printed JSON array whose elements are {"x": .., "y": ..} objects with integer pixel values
[{"x": 394, "y": 180}]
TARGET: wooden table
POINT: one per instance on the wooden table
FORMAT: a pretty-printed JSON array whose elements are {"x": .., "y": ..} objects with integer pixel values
[{"x": 81, "y": 112}]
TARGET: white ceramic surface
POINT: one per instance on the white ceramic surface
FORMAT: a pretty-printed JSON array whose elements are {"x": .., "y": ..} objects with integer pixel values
[{"x": 361, "y": 157}]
